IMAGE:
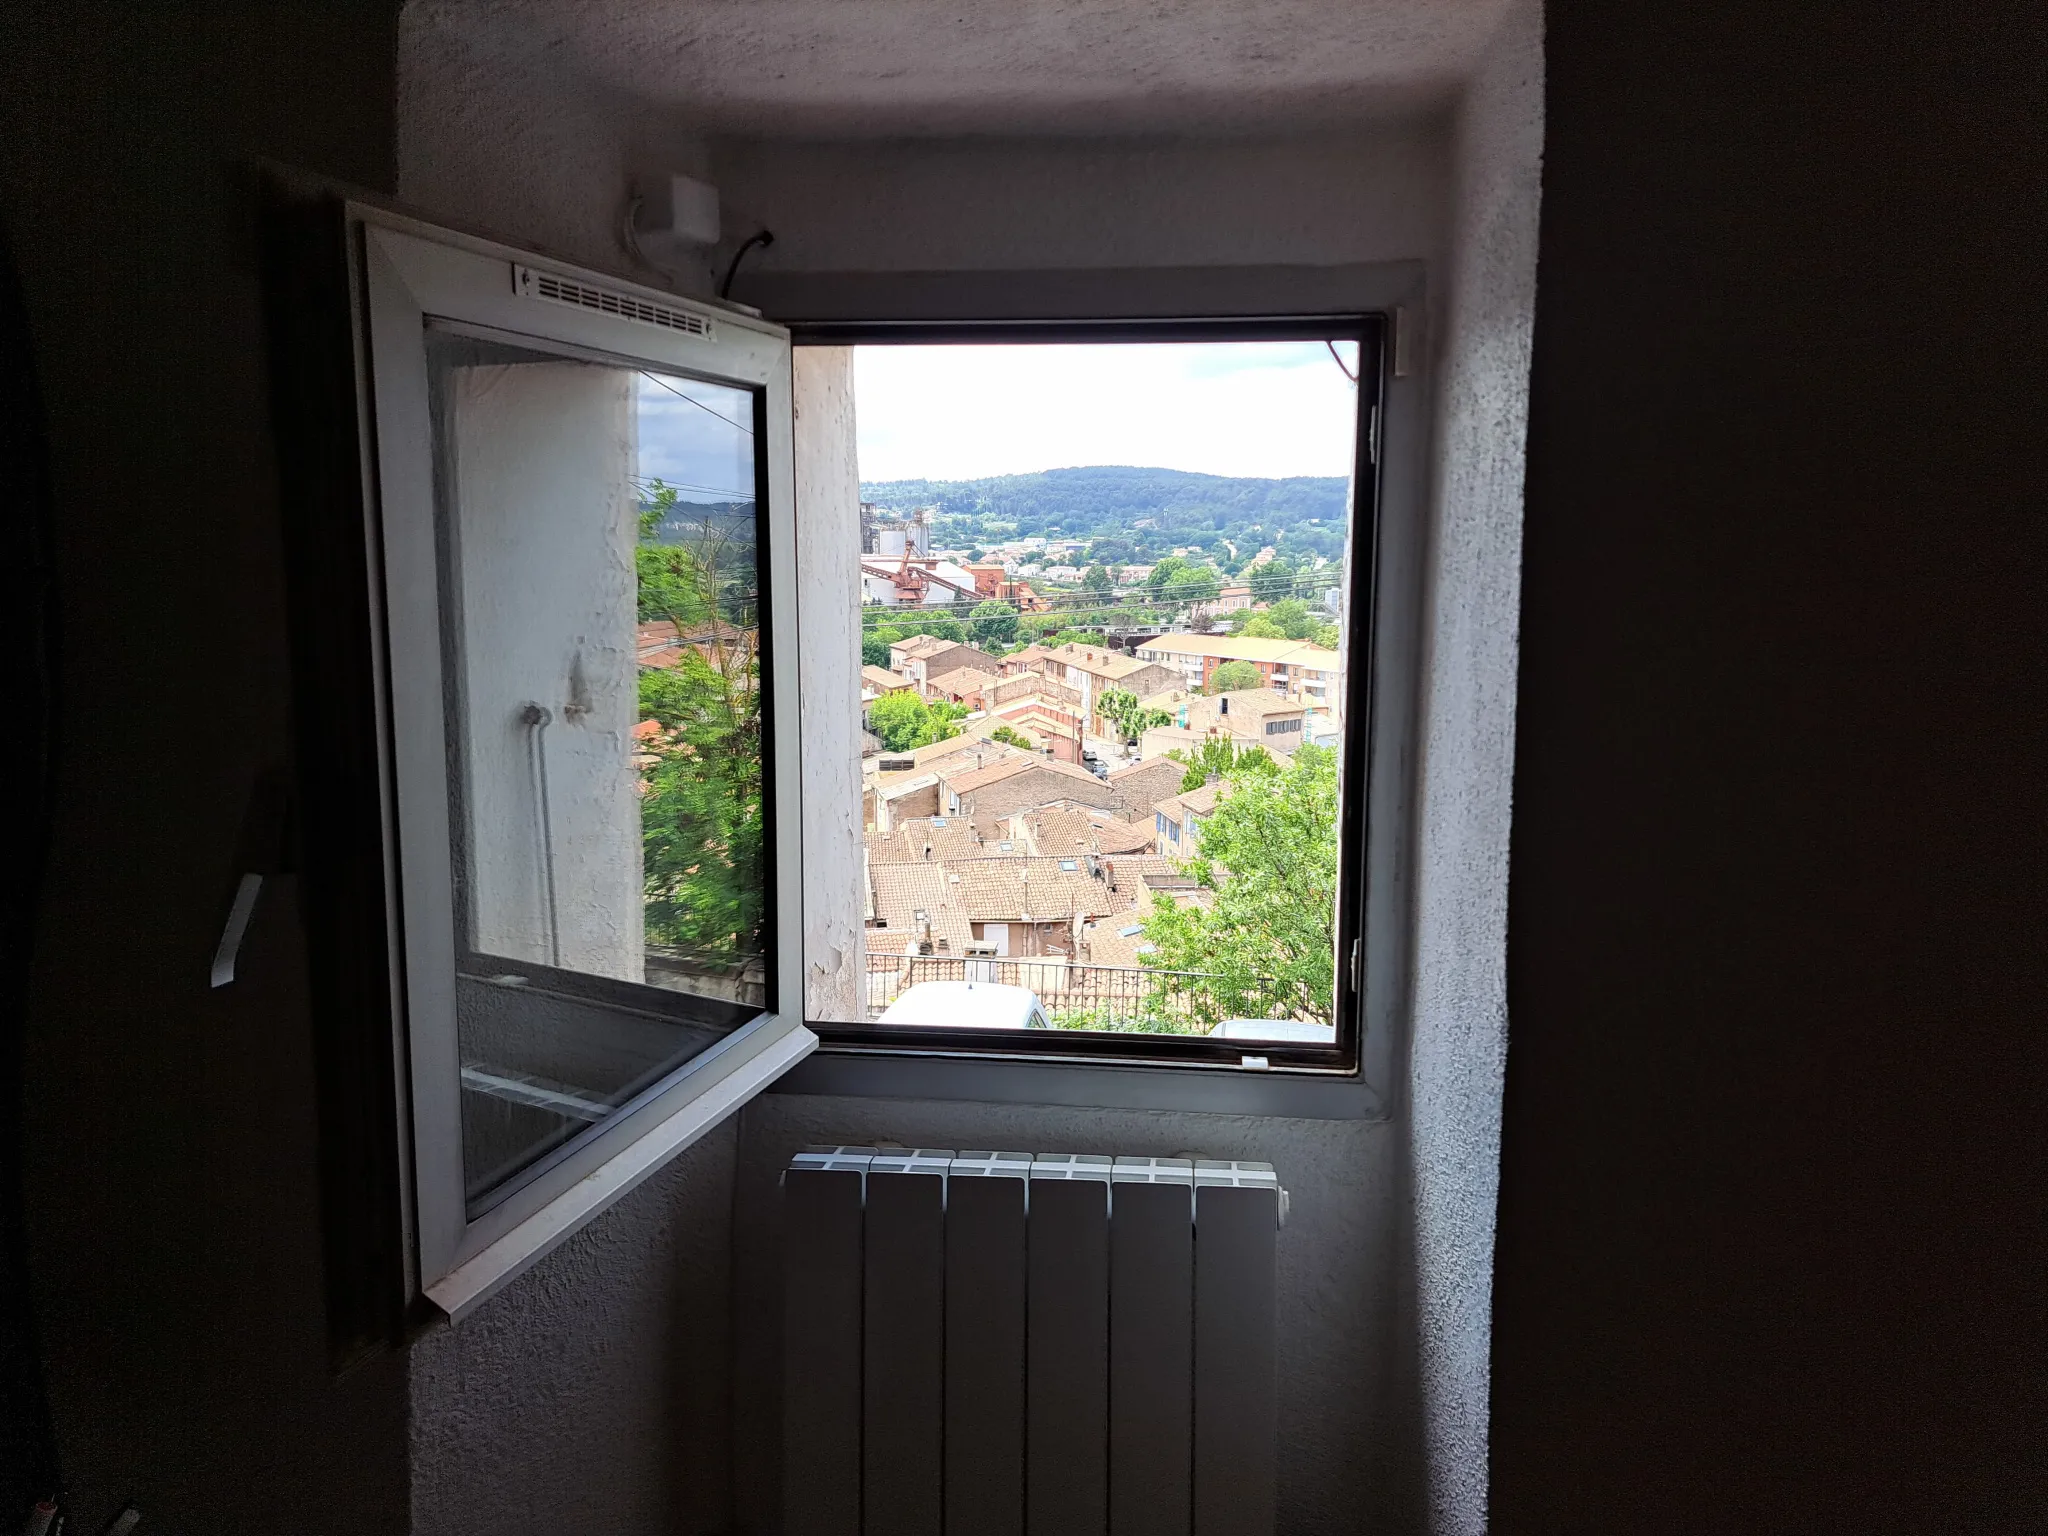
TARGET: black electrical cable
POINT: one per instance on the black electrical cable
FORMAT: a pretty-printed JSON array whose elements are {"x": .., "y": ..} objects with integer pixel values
[{"x": 764, "y": 239}]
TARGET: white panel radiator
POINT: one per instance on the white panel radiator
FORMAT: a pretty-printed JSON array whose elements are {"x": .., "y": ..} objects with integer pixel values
[{"x": 1019, "y": 1344}]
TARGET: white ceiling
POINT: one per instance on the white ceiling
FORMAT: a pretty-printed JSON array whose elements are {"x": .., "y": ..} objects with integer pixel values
[{"x": 784, "y": 68}]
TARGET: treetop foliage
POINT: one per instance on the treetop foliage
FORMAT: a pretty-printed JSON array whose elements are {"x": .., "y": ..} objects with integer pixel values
[{"x": 1267, "y": 944}]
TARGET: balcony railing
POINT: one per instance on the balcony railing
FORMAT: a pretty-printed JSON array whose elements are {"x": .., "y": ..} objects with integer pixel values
[{"x": 1123, "y": 999}]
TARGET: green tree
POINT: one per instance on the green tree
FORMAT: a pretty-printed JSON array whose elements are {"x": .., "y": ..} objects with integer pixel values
[
  {"x": 1267, "y": 942},
  {"x": 1010, "y": 736},
  {"x": 1324, "y": 635},
  {"x": 1220, "y": 757},
  {"x": 1114, "y": 550},
  {"x": 1273, "y": 581},
  {"x": 995, "y": 624},
  {"x": 1097, "y": 579},
  {"x": 701, "y": 806},
  {"x": 904, "y": 722},
  {"x": 874, "y": 647},
  {"x": 1234, "y": 675},
  {"x": 1120, "y": 707},
  {"x": 1293, "y": 619},
  {"x": 1258, "y": 626},
  {"x": 903, "y": 626},
  {"x": 1192, "y": 584},
  {"x": 1164, "y": 570}
]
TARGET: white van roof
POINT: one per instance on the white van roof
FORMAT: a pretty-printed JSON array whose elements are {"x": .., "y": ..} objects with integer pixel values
[{"x": 967, "y": 1005}]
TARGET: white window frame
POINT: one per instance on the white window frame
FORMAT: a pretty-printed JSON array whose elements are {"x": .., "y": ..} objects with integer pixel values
[
  {"x": 406, "y": 274},
  {"x": 1395, "y": 290}
]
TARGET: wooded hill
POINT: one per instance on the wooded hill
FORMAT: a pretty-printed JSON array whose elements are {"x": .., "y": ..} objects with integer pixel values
[{"x": 1302, "y": 514}]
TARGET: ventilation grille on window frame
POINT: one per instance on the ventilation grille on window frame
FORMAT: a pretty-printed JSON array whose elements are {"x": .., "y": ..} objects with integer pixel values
[{"x": 556, "y": 289}]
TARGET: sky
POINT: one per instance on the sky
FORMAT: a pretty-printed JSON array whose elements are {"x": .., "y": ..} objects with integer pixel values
[
  {"x": 697, "y": 437},
  {"x": 1262, "y": 408},
  {"x": 1269, "y": 409}
]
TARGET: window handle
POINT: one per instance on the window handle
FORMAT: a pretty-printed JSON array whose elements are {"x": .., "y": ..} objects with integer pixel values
[
  {"x": 264, "y": 849},
  {"x": 247, "y": 889}
]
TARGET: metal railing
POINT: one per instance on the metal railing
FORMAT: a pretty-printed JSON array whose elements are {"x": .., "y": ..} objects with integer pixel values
[{"x": 1075, "y": 996}]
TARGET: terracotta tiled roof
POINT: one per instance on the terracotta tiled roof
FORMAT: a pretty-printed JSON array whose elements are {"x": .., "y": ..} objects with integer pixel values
[
  {"x": 1294, "y": 653},
  {"x": 1123, "y": 837},
  {"x": 1117, "y": 940},
  {"x": 1127, "y": 871},
  {"x": 882, "y": 680},
  {"x": 1028, "y": 890},
  {"x": 1250, "y": 701},
  {"x": 923, "y": 645},
  {"x": 1062, "y": 834},
  {"x": 961, "y": 680},
  {"x": 1201, "y": 800},
  {"x": 901, "y": 891},
  {"x": 940, "y": 837},
  {"x": 973, "y": 752},
  {"x": 1146, "y": 784}
]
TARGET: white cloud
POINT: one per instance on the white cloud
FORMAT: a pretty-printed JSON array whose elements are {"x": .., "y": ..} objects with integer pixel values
[{"x": 1222, "y": 408}]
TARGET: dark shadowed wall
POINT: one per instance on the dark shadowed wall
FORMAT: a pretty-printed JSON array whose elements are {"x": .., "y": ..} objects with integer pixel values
[
  {"x": 171, "y": 1193},
  {"x": 1766, "y": 1259}
]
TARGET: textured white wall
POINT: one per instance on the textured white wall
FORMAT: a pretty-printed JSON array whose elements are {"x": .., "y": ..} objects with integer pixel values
[
  {"x": 1459, "y": 1042},
  {"x": 493, "y": 140},
  {"x": 828, "y": 613},
  {"x": 1373, "y": 194},
  {"x": 543, "y": 459},
  {"x": 594, "y": 1394}
]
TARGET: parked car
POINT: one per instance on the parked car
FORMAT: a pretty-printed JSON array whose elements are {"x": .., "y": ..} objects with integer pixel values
[{"x": 967, "y": 1005}]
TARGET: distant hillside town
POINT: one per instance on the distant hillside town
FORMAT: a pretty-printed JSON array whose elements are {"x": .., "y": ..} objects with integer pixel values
[
  {"x": 1106, "y": 784},
  {"x": 1046, "y": 734}
]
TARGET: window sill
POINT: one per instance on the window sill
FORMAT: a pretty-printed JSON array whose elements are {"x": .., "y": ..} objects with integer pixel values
[{"x": 1291, "y": 1095}]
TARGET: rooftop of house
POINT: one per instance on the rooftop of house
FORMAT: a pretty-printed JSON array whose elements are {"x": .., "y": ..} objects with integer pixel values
[
  {"x": 922, "y": 645},
  {"x": 1149, "y": 782},
  {"x": 882, "y": 680},
  {"x": 928, "y": 838},
  {"x": 1122, "y": 837},
  {"x": 979, "y": 751},
  {"x": 1096, "y": 660},
  {"x": 901, "y": 891},
  {"x": 1293, "y": 653},
  {"x": 1117, "y": 941},
  {"x": 961, "y": 680},
  {"x": 1038, "y": 890},
  {"x": 1018, "y": 762},
  {"x": 1260, "y": 702},
  {"x": 1061, "y": 833},
  {"x": 1201, "y": 800}
]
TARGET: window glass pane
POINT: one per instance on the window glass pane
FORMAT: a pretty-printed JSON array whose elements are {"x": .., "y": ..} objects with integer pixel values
[
  {"x": 602, "y": 659},
  {"x": 1101, "y": 591}
]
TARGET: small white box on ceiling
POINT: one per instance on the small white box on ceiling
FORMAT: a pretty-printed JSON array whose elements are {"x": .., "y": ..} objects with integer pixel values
[{"x": 692, "y": 213}]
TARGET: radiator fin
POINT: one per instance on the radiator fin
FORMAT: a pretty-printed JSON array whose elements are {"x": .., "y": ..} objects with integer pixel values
[{"x": 1002, "y": 1343}]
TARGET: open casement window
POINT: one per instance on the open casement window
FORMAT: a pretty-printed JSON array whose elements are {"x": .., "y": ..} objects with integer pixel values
[
  {"x": 546, "y": 645},
  {"x": 1086, "y": 843}
]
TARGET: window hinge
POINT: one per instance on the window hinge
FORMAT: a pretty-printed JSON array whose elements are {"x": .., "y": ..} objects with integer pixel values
[
  {"x": 1357, "y": 965},
  {"x": 1372, "y": 436}
]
